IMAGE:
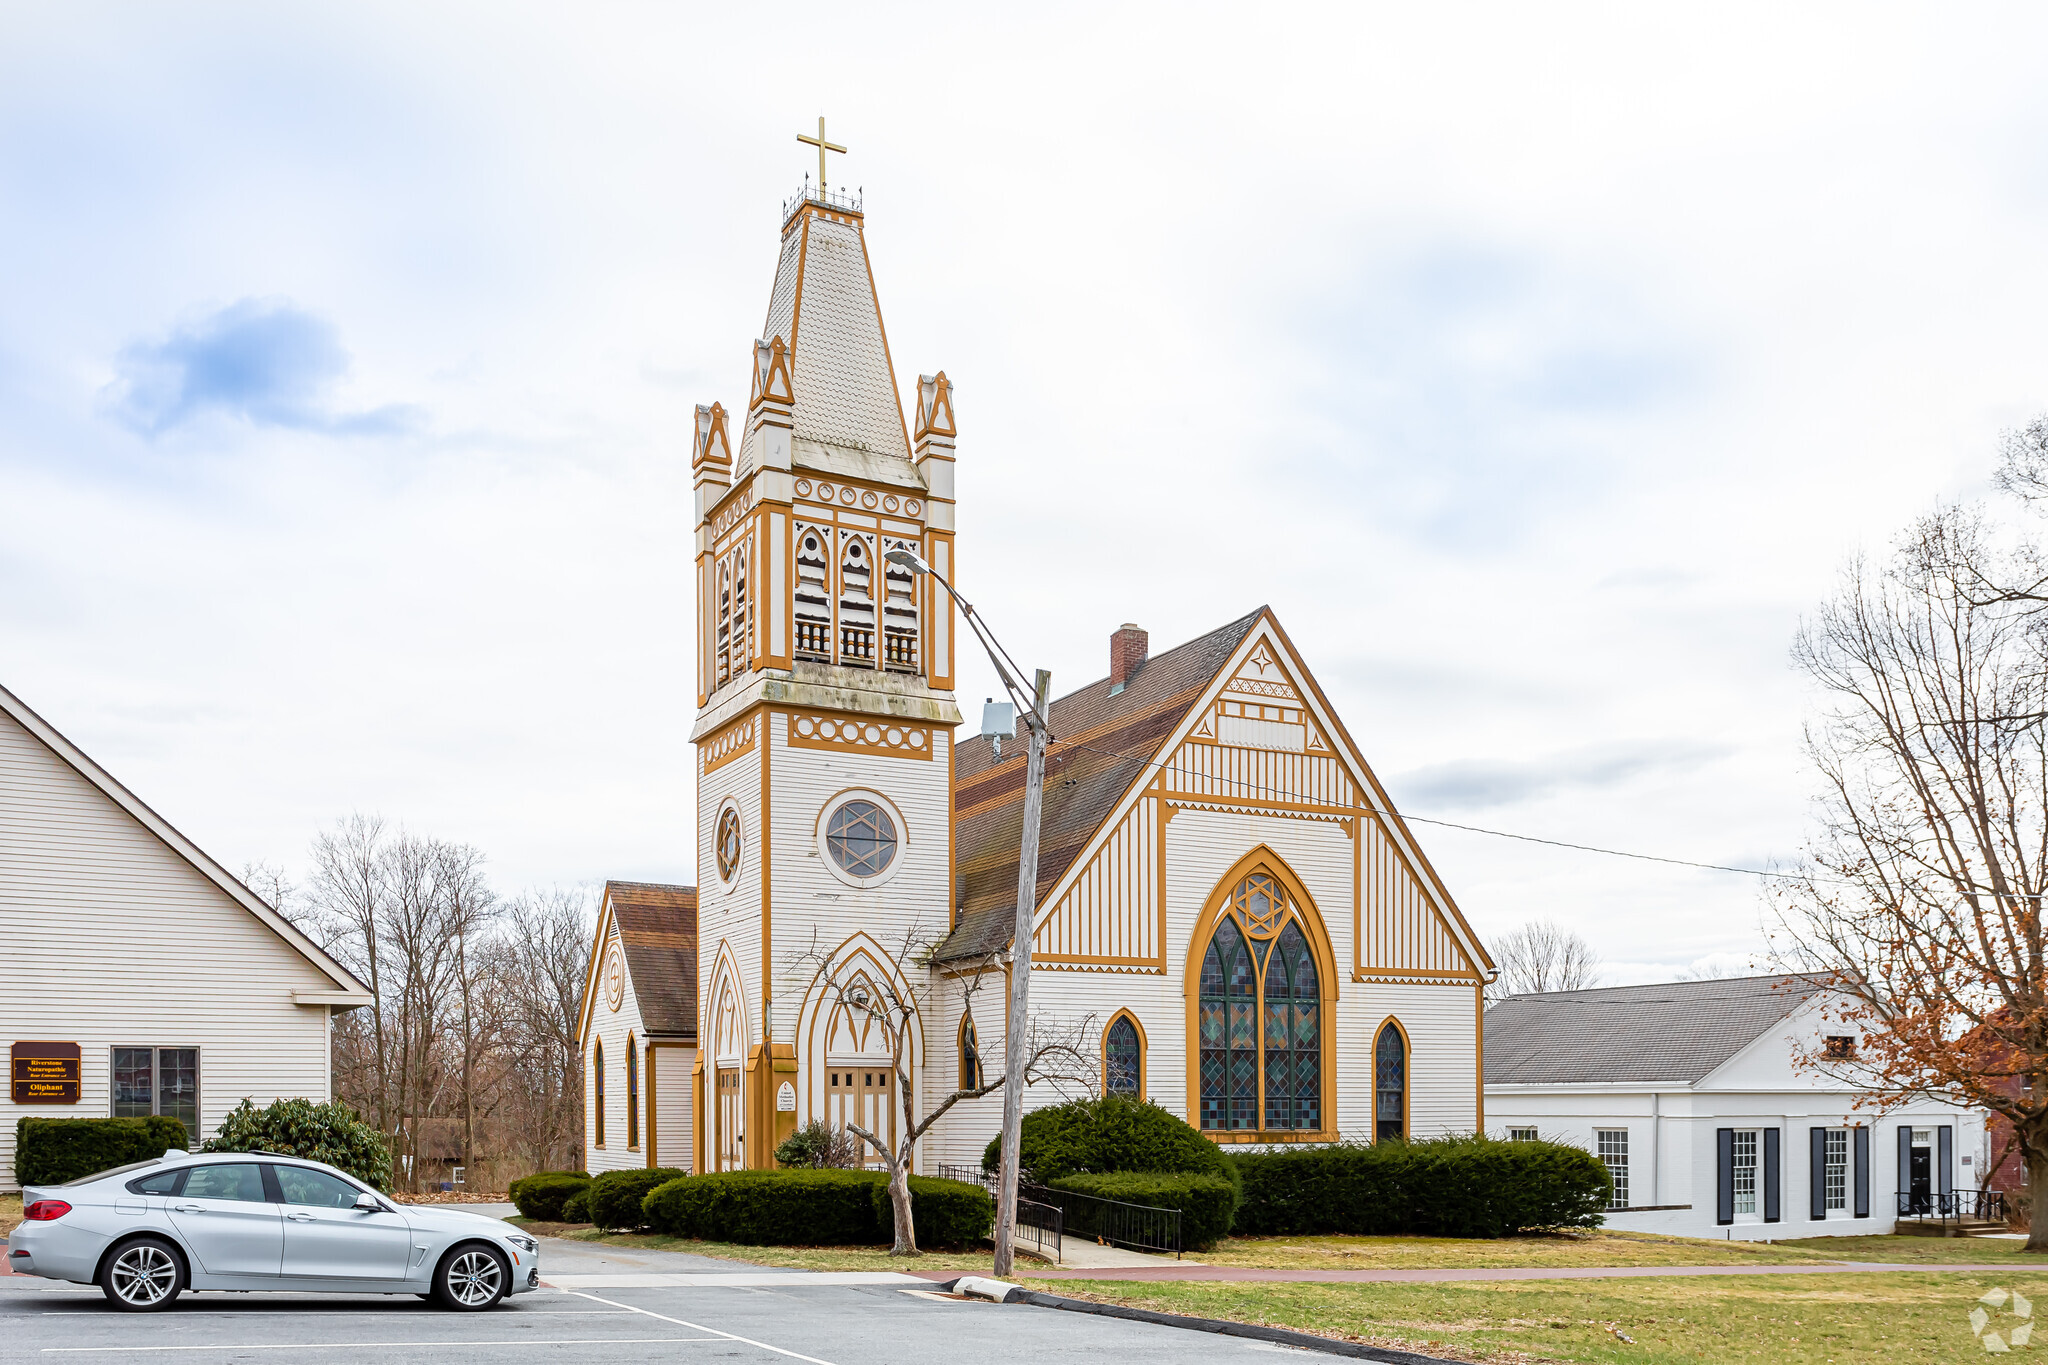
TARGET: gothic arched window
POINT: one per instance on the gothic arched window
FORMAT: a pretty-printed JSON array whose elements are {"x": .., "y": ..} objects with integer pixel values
[
  {"x": 1390, "y": 1083},
  {"x": 1259, "y": 1020},
  {"x": 632, "y": 1092},
  {"x": 970, "y": 1056},
  {"x": 597, "y": 1088},
  {"x": 1123, "y": 1058}
]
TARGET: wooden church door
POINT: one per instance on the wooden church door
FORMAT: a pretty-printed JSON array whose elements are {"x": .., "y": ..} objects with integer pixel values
[{"x": 731, "y": 1150}]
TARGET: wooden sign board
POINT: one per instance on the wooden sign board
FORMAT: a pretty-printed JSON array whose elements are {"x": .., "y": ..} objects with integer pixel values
[{"x": 46, "y": 1073}]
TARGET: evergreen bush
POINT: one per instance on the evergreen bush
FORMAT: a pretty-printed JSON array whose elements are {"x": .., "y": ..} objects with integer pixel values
[
  {"x": 330, "y": 1132},
  {"x": 1441, "y": 1187},
  {"x": 946, "y": 1213},
  {"x": 1206, "y": 1202},
  {"x": 52, "y": 1151},
  {"x": 1112, "y": 1133},
  {"x": 772, "y": 1208},
  {"x": 542, "y": 1195},
  {"x": 576, "y": 1208},
  {"x": 613, "y": 1199}
]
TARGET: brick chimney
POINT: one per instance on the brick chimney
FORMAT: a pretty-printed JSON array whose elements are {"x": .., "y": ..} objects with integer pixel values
[{"x": 1126, "y": 655}]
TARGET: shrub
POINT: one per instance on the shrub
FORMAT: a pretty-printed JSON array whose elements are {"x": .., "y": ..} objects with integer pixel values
[
  {"x": 819, "y": 1145},
  {"x": 946, "y": 1213},
  {"x": 1113, "y": 1133},
  {"x": 1442, "y": 1187},
  {"x": 52, "y": 1151},
  {"x": 613, "y": 1199},
  {"x": 774, "y": 1208},
  {"x": 1206, "y": 1202},
  {"x": 576, "y": 1208},
  {"x": 541, "y": 1197},
  {"x": 331, "y": 1132}
]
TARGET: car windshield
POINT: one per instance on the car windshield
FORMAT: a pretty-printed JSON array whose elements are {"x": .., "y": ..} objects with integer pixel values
[{"x": 118, "y": 1170}]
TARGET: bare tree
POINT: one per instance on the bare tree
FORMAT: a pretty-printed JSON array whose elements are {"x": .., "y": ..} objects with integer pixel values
[
  {"x": 538, "y": 964},
  {"x": 1921, "y": 898},
  {"x": 1056, "y": 1054},
  {"x": 1542, "y": 956}
]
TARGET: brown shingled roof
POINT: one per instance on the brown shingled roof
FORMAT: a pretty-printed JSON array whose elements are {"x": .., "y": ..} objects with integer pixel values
[
  {"x": 658, "y": 926},
  {"x": 1082, "y": 785}
]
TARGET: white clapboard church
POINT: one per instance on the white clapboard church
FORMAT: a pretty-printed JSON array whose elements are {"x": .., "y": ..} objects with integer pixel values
[{"x": 1251, "y": 936}]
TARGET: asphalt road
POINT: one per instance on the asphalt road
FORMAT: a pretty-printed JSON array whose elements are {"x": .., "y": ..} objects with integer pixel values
[{"x": 782, "y": 1321}]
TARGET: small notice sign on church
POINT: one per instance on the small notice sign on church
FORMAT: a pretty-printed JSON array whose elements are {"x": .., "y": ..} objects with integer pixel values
[{"x": 46, "y": 1073}]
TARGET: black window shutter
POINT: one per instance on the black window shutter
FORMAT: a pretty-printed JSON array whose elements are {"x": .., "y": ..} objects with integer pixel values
[
  {"x": 1724, "y": 1177},
  {"x": 1771, "y": 1181},
  {"x": 1905, "y": 1180},
  {"x": 1862, "y": 1171},
  {"x": 1945, "y": 1159},
  {"x": 1817, "y": 1173}
]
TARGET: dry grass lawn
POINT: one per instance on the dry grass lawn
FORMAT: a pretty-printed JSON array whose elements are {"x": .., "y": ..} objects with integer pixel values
[
  {"x": 1600, "y": 1248},
  {"x": 1863, "y": 1319},
  {"x": 10, "y": 1212}
]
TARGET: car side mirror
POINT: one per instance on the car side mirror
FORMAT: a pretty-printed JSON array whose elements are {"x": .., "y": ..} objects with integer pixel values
[{"x": 369, "y": 1203}]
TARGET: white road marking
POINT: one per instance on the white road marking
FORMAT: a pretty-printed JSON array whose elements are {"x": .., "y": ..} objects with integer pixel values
[
  {"x": 358, "y": 1345},
  {"x": 760, "y": 1280},
  {"x": 700, "y": 1327}
]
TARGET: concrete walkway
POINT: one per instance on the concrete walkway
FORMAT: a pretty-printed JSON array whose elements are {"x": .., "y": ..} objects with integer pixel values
[
  {"x": 1084, "y": 1253},
  {"x": 1190, "y": 1271}
]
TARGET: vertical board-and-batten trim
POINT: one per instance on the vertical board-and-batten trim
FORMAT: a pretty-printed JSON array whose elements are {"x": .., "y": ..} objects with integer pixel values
[
  {"x": 1105, "y": 916},
  {"x": 778, "y": 585}
]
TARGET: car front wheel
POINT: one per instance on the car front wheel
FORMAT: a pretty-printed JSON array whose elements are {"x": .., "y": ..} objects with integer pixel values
[
  {"x": 142, "y": 1276},
  {"x": 472, "y": 1278}
]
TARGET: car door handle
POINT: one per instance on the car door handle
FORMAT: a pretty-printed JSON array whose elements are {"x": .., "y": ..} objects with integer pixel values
[
  {"x": 188, "y": 1208},
  {"x": 298, "y": 1218}
]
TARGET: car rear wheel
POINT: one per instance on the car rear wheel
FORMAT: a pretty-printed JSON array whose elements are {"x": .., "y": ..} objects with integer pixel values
[
  {"x": 143, "y": 1276},
  {"x": 471, "y": 1278}
]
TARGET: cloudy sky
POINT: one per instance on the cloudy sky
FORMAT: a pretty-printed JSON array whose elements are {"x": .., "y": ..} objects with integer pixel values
[{"x": 1539, "y": 365}]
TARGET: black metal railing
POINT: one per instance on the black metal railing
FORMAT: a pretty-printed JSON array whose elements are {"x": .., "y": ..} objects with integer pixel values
[
  {"x": 1039, "y": 1225},
  {"x": 1953, "y": 1206},
  {"x": 1141, "y": 1227}
]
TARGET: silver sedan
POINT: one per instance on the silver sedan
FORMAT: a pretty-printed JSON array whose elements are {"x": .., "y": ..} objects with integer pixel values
[{"x": 247, "y": 1221}]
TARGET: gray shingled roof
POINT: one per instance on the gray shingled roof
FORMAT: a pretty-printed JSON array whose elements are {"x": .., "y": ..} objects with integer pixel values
[{"x": 1679, "y": 1031}]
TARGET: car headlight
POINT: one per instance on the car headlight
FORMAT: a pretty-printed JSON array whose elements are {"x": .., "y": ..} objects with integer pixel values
[{"x": 525, "y": 1244}]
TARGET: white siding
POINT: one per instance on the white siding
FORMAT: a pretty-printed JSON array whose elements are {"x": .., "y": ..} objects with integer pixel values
[
  {"x": 113, "y": 939},
  {"x": 613, "y": 1028},
  {"x": 673, "y": 1134}
]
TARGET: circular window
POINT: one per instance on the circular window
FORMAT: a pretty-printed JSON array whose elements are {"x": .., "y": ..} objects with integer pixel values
[
  {"x": 862, "y": 840},
  {"x": 729, "y": 843}
]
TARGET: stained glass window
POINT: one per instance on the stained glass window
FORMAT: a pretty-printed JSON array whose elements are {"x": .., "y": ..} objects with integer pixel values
[
  {"x": 1390, "y": 1084},
  {"x": 728, "y": 843},
  {"x": 1228, "y": 1028},
  {"x": 632, "y": 1092},
  {"x": 970, "y": 1056},
  {"x": 1122, "y": 1062},
  {"x": 597, "y": 1087},
  {"x": 1260, "y": 1018},
  {"x": 862, "y": 838},
  {"x": 1293, "y": 1042}
]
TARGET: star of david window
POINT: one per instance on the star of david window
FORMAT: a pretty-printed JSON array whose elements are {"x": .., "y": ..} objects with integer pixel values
[
  {"x": 729, "y": 844},
  {"x": 861, "y": 838},
  {"x": 1259, "y": 1020}
]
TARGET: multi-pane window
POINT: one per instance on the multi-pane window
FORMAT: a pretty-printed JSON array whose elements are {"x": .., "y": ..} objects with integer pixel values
[
  {"x": 597, "y": 1089},
  {"x": 728, "y": 843},
  {"x": 1390, "y": 1084},
  {"x": 861, "y": 838},
  {"x": 1259, "y": 1024},
  {"x": 1835, "y": 1168},
  {"x": 1122, "y": 1064},
  {"x": 157, "y": 1080},
  {"x": 970, "y": 1055},
  {"x": 1521, "y": 1135},
  {"x": 632, "y": 1092},
  {"x": 1612, "y": 1148},
  {"x": 1744, "y": 1171}
]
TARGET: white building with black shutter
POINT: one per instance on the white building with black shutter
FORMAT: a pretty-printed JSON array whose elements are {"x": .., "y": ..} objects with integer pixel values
[{"x": 1695, "y": 1095}]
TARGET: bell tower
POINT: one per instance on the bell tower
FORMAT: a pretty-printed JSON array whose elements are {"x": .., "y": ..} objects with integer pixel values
[{"x": 824, "y": 684}]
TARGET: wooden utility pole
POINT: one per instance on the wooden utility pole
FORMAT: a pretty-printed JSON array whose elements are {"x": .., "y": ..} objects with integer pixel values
[{"x": 1014, "y": 1041}]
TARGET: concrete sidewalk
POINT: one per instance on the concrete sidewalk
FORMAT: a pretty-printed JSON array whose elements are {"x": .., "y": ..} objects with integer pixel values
[{"x": 1187, "y": 1271}]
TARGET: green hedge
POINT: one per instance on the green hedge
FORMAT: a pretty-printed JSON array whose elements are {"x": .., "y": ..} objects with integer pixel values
[
  {"x": 52, "y": 1151},
  {"x": 769, "y": 1208},
  {"x": 576, "y": 1208},
  {"x": 330, "y": 1132},
  {"x": 614, "y": 1197},
  {"x": 1441, "y": 1187},
  {"x": 946, "y": 1213},
  {"x": 1206, "y": 1202},
  {"x": 540, "y": 1196},
  {"x": 1113, "y": 1133},
  {"x": 815, "y": 1207}
]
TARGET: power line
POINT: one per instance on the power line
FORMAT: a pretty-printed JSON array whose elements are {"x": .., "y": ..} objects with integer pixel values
[{"x": 1281, "y": 794}]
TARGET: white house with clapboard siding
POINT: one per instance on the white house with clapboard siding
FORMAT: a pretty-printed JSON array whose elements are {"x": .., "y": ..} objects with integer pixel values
[
  {"x": 178, "y": 989},
  {"x": 638, "y": 1029},
  {"x": 1226, "y": 900}
]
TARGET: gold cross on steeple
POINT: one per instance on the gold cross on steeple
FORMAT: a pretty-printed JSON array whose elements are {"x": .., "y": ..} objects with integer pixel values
[{"x": 822, "y": 146}]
